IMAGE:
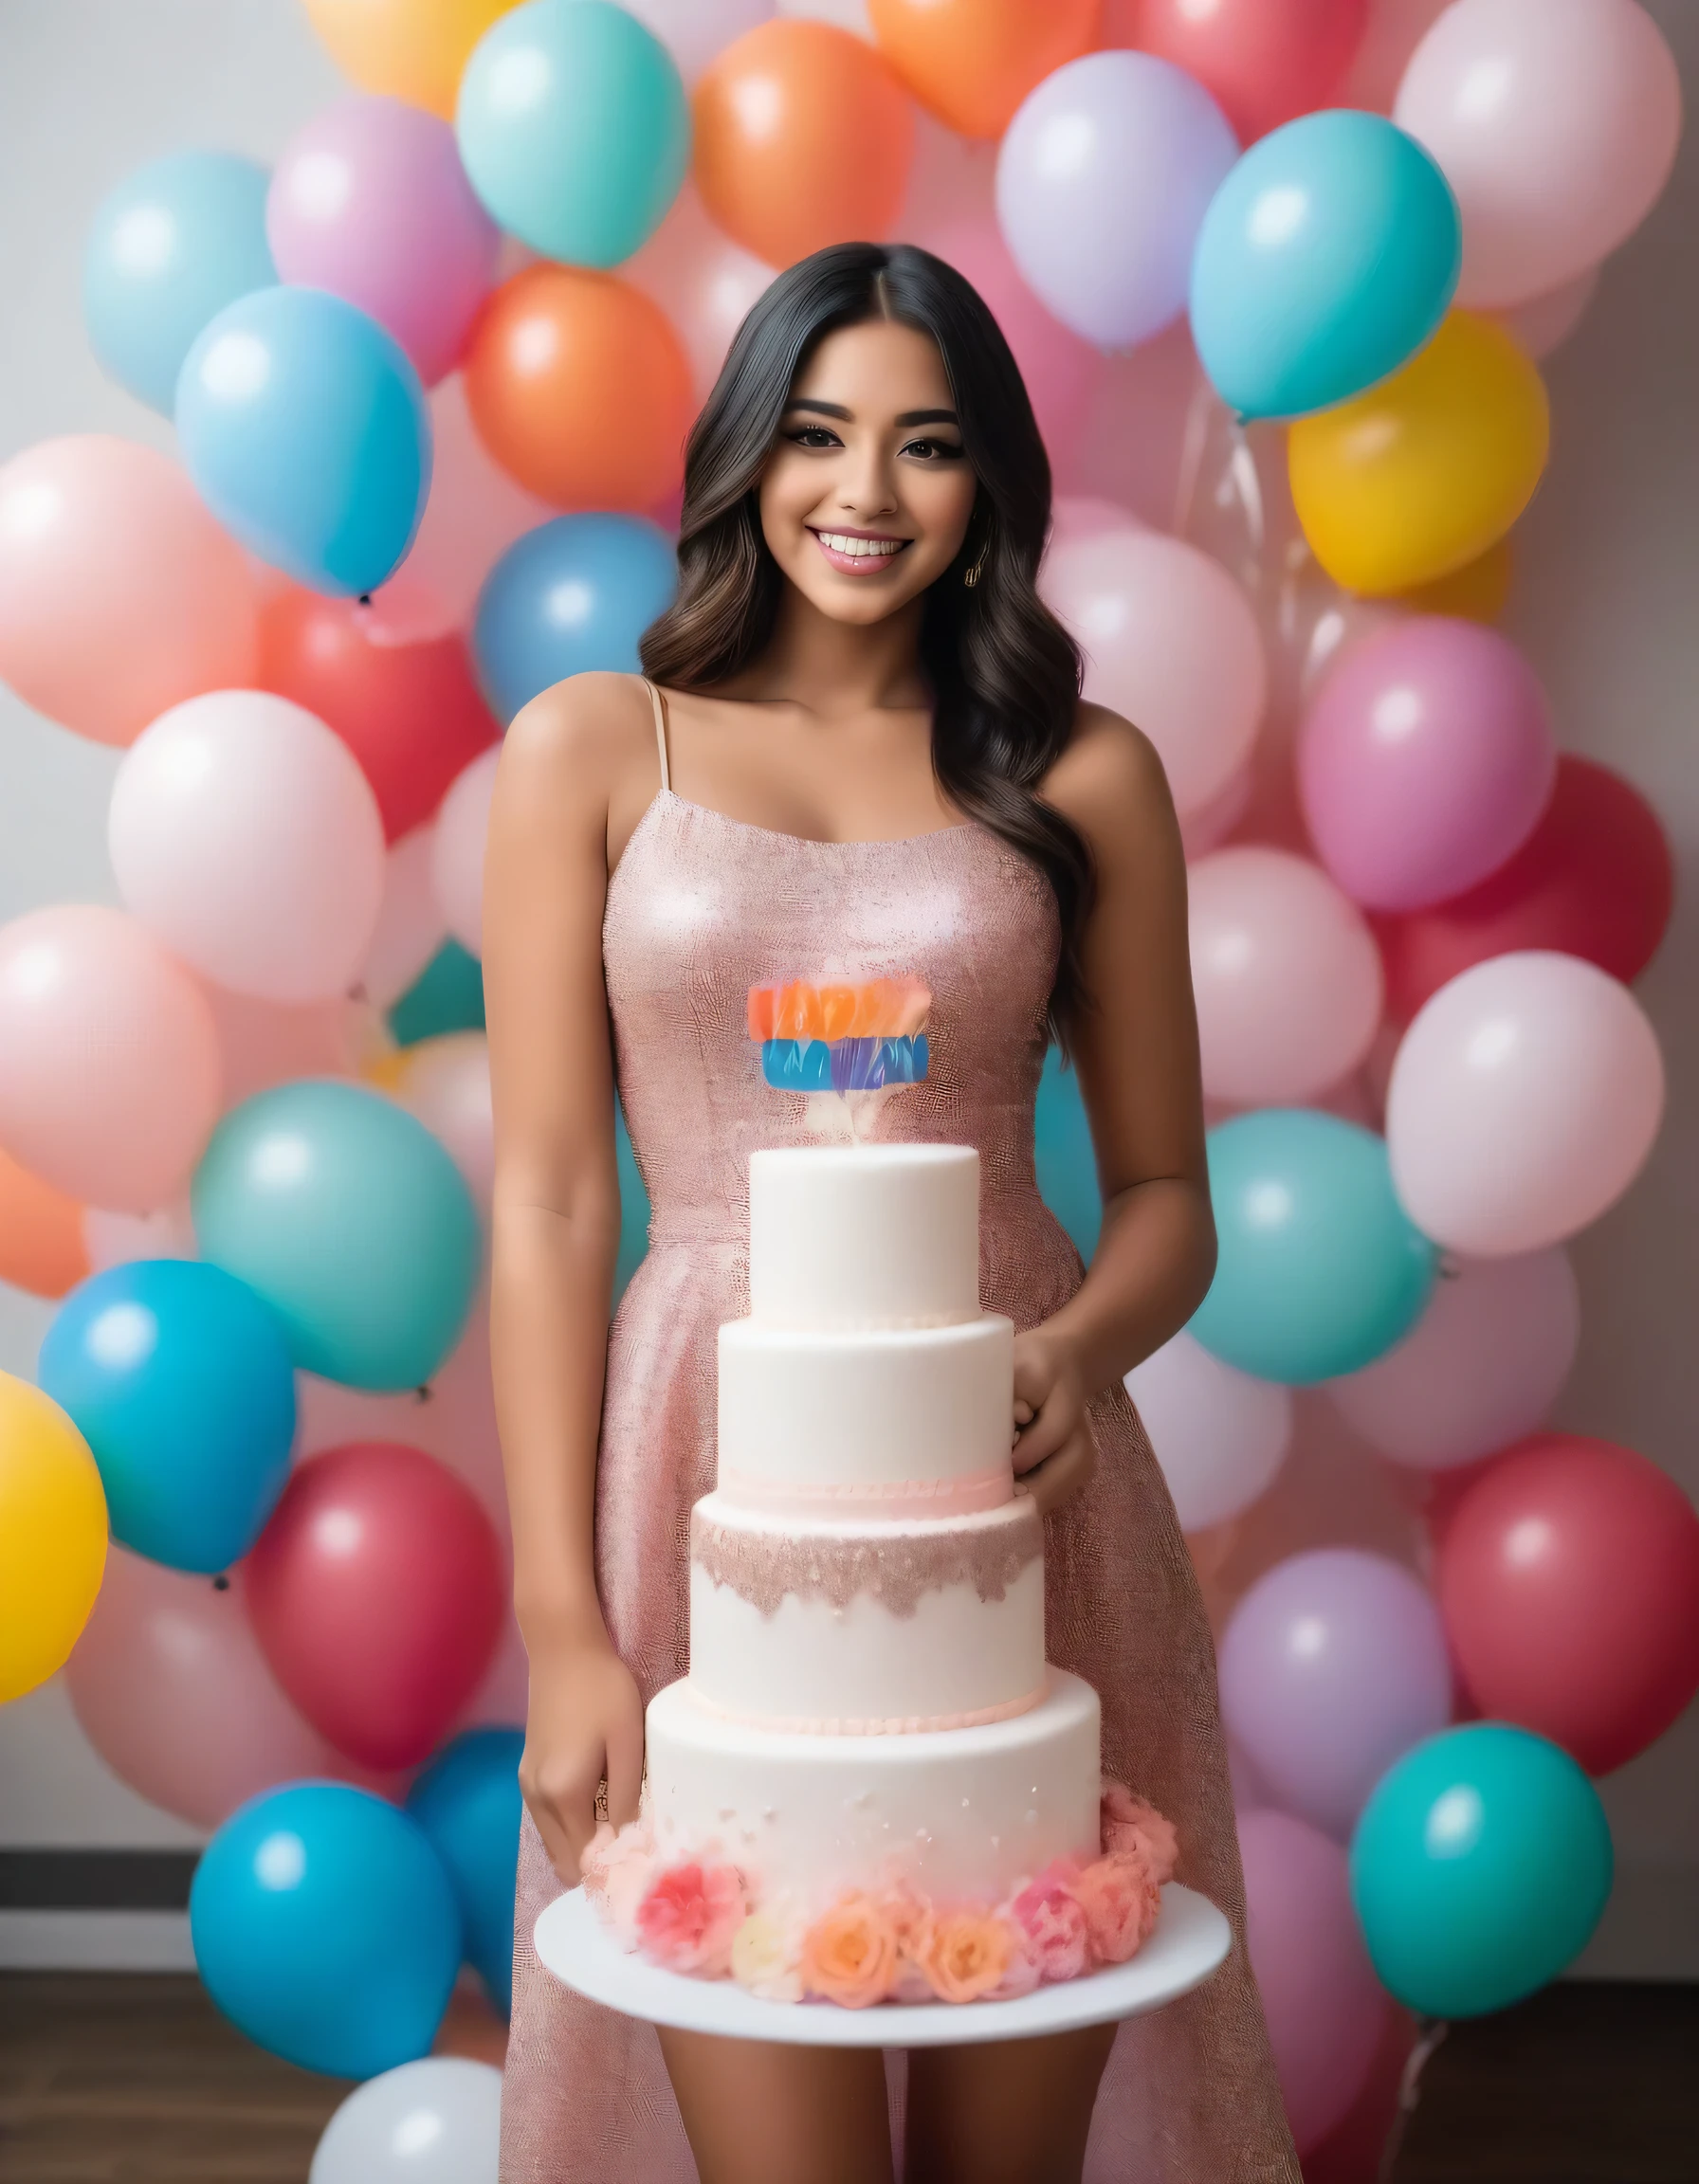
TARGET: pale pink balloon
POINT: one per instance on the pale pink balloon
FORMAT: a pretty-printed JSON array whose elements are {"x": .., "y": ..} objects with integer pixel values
[
  {"x": 1287, "y": 976},
  {"x": 445, "y": 1082},
  {"x": 119, "y": 595},
  {"x": 457, "y": 851},
  {"x": 1133, "y": 446},
  {"x": 170, "y": 1686},
  {"x": 244, "y": 833},
  {"x": 117, "y": 1238},
  {"x": 473, "y": 514},
  {"x": 1078, "y": 516},
  {"x": 1481, "y": 1368},
  {"x": 1326, "y": 2010},
  {"x": 705, "y": 282},
  {"x": 1555, "y": 121},
  {"x": 409, "y": 926},
  {"x": 268, "y": 1043},
  {"x": 1524, "y": 1102},
  {"x": 109, "y": 1062},
  {"x": 370, "y": 200},
  {"x": 1425, "y": 761},
  {"x": 1170, "y": 643},
  {"x": 1543, "y": 323},
  {"x": 694, "y": 31},
  {"x": 1219, "y": 1435}
]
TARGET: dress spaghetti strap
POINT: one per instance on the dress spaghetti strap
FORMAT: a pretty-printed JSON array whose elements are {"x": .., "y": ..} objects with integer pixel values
[{"x": 659, "y": 703}]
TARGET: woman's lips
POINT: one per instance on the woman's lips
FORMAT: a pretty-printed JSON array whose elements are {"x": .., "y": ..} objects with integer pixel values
[{"x": 857, "y": 556}]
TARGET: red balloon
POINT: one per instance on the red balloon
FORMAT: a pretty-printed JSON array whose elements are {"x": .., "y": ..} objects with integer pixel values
[
  {"x": 1352, "y": 2153},
  {"x": 411, "y": 713},
  {"x": 377, "y": 1593},
  {"x": 1266, "y": 61},
  {"x": 1594, "y": 878},
  {"x": 1568, "y": 1578}
]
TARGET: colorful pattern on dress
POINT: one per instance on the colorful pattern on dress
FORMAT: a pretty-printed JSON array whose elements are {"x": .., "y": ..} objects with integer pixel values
[{"x": 829, "y": 1037}]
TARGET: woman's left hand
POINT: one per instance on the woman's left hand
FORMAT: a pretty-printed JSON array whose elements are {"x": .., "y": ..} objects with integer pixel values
[{"x": 1054, "y": 1453}]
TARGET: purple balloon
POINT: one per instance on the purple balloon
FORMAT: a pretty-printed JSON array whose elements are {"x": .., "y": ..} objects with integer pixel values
[
  {"x": 1333, "y": 1665},
  {"x": 1425, "y": 761},
  {"x": 1104, "y": 177},
  {"x": 370, "y": 201},
  {"x": 1326, "y": 2011}
]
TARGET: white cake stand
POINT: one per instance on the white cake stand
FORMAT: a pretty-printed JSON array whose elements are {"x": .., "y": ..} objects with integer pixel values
[{"x": 1190, "y": 1941}]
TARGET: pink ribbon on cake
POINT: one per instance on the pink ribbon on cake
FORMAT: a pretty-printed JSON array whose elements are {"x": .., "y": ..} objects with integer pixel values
[{"x": 962, "y": 1496}]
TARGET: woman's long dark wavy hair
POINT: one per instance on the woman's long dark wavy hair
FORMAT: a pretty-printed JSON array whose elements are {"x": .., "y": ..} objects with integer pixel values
[{"x": 1005, "y": 675}]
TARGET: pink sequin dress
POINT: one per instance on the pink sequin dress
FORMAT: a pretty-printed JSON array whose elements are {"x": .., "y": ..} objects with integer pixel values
[{"x": 700, "y": 909}]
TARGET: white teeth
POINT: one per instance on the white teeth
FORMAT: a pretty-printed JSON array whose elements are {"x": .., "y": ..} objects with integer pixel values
[{"x": 859, "y": 549}]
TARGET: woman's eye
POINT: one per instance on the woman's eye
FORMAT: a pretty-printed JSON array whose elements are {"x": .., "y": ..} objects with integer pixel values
[
  {"x": 815, "y": 436},
  {"x": 933, "y": 450}
]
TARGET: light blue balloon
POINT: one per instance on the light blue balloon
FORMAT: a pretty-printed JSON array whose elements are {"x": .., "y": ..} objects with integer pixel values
[
  {"x": 576, "y": 593},
  {"x": 1479, "y": 1867},
  {"x": 351, "y": 1220},
  {"x": 1326, "y": 260},
  {"x": 1065, "y": 1157},
  {"x": 179, "y": 1379},
  {"x": 169, "y": 248},
  {"x": 574, "y": 129},
  {"x": 325, "y": 1928},
  {"x": 467, "y": 1802},
  {"x": 305, "y": 429},
  {"x": 1319, "y": 1268},
  {"x": 634, "y": 1208}
]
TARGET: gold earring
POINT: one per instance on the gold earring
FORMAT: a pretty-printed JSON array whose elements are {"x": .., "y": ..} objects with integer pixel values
[{"x": 972, "y": 575}]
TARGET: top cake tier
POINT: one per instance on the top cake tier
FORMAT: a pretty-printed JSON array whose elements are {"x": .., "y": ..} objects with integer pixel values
[{"x": 864, "y": 1236}]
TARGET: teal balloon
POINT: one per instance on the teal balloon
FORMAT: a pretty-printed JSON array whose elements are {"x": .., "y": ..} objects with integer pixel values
[
  {"x": 1327, "y": 259},
  {"x": 169, "y": 248},
  {"x": 634, "y": 1208},
  {"x": 1319, "y": 1268},
  {"x": 574, "y": 129},
  {"x": 1479, "y": 1867},
  {"x": 1063, "y": 1155},
  {"x": 447, "y": 996},
  {"x": 349, "y": 1218}
]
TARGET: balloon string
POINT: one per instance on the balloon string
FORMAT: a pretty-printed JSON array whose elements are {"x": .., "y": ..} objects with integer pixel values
[
  {"x": 1190, "y": 455},
  {"x": 1432, "y": 2032}
]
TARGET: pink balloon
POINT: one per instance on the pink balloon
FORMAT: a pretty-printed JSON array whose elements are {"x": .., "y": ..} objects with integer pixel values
[
  {"x": 1556, "y": 125},
  {"x": 1425, "y": 761},
  {"x": 705, "y": 282},
  {"x": 1480, "y": 1369},
  {"x": 370, "y": 200},
  {"x": 457, "y": 854},
  {"x": 409, "y": 926},
  {"x": 117, "y": 1238},
  {"x": 1208, "y": 827},
  {"x": 244, "y": 833},
  {"x": 1287, "y": 977},
  {"x": 1133, "y": 447},
  {"x": 109, "y": 1068},
  {"x": 1170, "y": 641},
  {"x": 473, "y": 514},
  {"x": 1327, "y": 2014},
  {"x": 445, "y": 1082},
  {"x": 170, "y": 1688},
  {"x": 1543, "y": 323},
  {"x": 119, "y": 595},
  {"x": 1524, "y": 1102},
  {"x": 265, "y": 1043}
]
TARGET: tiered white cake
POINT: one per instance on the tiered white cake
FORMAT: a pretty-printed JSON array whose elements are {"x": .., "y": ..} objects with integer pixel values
[{"x": 868, "y": 1699}]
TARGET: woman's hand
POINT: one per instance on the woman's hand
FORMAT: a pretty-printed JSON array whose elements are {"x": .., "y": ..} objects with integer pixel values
[
  {"x": 584, "y": 1726},
  {"x": 1054, "y": 1453}
]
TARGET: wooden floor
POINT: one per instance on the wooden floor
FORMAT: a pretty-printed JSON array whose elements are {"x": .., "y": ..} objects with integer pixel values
[{"x": 112, "y": 2080}]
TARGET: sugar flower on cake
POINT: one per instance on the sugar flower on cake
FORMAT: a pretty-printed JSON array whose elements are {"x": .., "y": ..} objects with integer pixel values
[
  {"x": 967, "y": 1954},
  {"x": 616, "y": 1870},
  {"x": 911, "y": 1921},
  {"x": 1130, "y": 1824},
  {"x": 766, "y": 1957},
  {"x": 850, "y": 1954},
  {"x": 1050, "y": 1921},
  {"x": 1120, "y": 1900},
  {"x": 689, "y": 1918}
]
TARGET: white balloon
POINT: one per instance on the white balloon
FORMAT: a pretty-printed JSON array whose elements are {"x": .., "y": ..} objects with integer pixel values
[
  {"x": 409, "y": 924},
  {"x": 1219, "y": 1435},
  {"x": 1480, "y": 1369},
  {"x": 1546, "y": 323},
  {"x": 445, "y": 1082},
  {"x": 457, "y": 849},
  {"x": 438, "y": 2122}
]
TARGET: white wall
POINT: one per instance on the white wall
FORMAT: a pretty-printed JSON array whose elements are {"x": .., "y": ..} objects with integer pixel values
[{"x": 1606, "y": 603}]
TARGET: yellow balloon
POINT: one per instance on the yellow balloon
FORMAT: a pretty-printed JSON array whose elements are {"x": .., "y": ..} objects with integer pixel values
[
  {"x": 1421, "y": 474},
  {"x": 52, "y": 1536},
  {"x": 415, "y": 49},
  {"x": 1478, "y": 592}
]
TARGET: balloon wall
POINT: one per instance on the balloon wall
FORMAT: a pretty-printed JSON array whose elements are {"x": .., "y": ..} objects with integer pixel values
[{"x": 1287, "y": 265}]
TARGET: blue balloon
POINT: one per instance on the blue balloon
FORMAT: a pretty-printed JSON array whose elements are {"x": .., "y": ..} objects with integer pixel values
[
  {"x": 574, "y": 129},
  {"x": 179, "y": 1379},
  {"x": 1065, "y": 1157},
  {"x": 169, "y": 248},
  {"x": 351, "y": 1220},
  {"x": 325, "y": 1928},
  {"x": 1320, "y": 1268},
  {"x": 1479, "y": 1867},
  {"x": 573, "y": 594},
  {"x": 305, "y": 429},
  {"x": 1326, "y": 260},
  {"x": 467, "y": 1802}
]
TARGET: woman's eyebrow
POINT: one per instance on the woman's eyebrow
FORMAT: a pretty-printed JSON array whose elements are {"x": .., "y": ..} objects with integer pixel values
[
  {"x": 826, "y": 409},
  {"x": 927, "y": 417}
]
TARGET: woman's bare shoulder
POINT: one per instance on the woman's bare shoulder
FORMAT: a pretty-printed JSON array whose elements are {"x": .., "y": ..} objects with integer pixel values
[
  {"x": 587, "y": 728},
  {"x": 1110, "y": 781}
]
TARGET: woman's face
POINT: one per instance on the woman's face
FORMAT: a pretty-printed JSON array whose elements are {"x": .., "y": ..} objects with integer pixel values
[{"x": 866, "y": 495}]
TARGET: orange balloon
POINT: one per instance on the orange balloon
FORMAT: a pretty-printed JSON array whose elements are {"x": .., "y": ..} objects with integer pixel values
[
  {"x": 581, "y": 388},
  {"x": 41, "y": 1233},
  {"x": 803, "y": 137},
  {"x": 972, "y": 62}
]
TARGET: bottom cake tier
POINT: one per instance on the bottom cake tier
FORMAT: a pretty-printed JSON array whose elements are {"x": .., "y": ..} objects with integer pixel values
[{"x": 956, "y": 1814}]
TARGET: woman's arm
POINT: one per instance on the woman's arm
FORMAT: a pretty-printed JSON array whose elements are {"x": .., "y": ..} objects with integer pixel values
[
  {"x": 1135, "y": 1048},
  {"x": 556, "y": 1231}
]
